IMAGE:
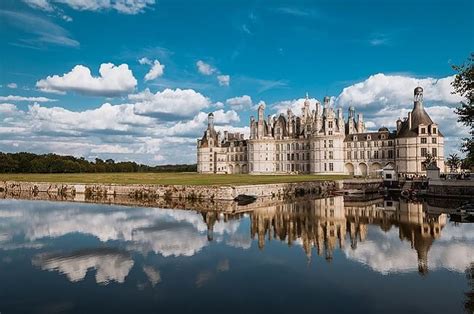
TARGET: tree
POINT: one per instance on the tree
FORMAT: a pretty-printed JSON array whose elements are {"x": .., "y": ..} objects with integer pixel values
[
  {"x": 453, "y": 162},
  {"x": 463, "y": 85}
]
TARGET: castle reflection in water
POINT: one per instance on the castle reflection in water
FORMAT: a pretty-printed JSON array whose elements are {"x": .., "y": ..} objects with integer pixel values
[{"x": 324, "y": 224}]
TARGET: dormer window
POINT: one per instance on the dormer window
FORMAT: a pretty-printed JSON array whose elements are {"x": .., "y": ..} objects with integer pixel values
[
  {"x": 368, "y": 137},
  {"x": 354, "y": 138},
  {"x": 434, "y": 130},
  {"x": 423, "y": 131}
]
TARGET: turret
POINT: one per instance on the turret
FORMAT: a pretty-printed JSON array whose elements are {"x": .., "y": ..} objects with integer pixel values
[
  {"x": 210, "y": 121},
  {"x": 418, "y": 98},
  {"x": 260, "y": 121},
  {"x": 399, "y": 125},
  {"x": 360, "y": 123}
]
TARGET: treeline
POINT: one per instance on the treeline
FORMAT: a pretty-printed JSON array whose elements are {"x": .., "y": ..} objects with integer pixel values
[{"x": 52, "y": 163}]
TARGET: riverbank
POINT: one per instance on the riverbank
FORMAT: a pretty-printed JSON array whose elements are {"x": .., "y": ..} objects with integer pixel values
[{"x": 190, "y": 192}]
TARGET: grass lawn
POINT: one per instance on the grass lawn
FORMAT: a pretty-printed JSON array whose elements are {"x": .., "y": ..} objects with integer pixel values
[{"x": 177, "y": 178}]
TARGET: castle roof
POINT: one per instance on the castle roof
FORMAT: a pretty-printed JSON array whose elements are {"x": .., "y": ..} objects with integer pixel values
[{"x": 418, "y": 116}]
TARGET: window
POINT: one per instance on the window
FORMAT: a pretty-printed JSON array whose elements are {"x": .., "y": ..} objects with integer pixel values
[
  {"x": 331, "y": 155},
  {"x": 362, "y": 154},
  {"x": 424, "y": 152},
  {"x": 348, "y": 155},
  {"x": 325, "y": 155},
  {"x": 354, "y": 138},
  {"x": 331, "y": 143},
  {"x": 330, "y": 133},
  {"x": 383, "y": 154},
  {"x": 331, "y": 166},
  {"x": 325, "y": 167},
  {"x": 324, "y": 143},
  {"x": 434, "y": 152},
  {"x": 433, "y": 140},
  {"x": 423, "y": 131},
  {"x": 390, "y": 143},
  {"x": 330, "y": 124},
  {"x": 423, "y": 140},
  {"x": 376, "y": 154},
  {"x": 398, "y": 153},
  {"x": 390, "y": 154},
  {"x": 434, "y": 130}
]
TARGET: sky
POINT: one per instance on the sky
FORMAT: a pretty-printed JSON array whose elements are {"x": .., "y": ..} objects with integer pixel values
[{"x": 135, "y": 79}]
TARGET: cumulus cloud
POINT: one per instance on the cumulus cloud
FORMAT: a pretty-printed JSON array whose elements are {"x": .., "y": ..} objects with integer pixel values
[
  {"x": 117, "y": 118},
  {"x": 240, "y": 102},
  {"x": 396, "y": 90},
  {"x": 12, "y": 85},
  {"x": 169, "y": 103},
  {"x": 113, "y": 80},
  {"x": 294, "y": 104},
  {"x": 197, "y": 125},
  {"x": 121, "y": 6},
  {"x": 156, "y": 70},
  {"x": 23, "y": 98},
  {"x": 224, "y": 80},
  {"x": 205, "y": 68}
]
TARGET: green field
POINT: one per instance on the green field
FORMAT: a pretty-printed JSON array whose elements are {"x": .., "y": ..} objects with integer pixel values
[{"x": 163, "y": 178}]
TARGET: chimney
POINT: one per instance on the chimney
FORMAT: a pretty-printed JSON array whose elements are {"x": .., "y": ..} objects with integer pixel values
[{"x": 409, "y": 120}]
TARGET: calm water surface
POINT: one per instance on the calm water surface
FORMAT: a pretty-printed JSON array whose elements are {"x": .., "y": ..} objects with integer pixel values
[{"x": 325, "y": 255}]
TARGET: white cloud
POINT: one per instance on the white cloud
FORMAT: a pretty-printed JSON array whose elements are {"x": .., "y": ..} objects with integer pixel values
[
  {"x": 23, "y": 98},
  {"x": 12, "y": 85},
  {"x": 169, "y": 103},
  {"x": 113, "y": 81},
  {"x": 396, "y": 91},
  {"x": 240, "y": 102},
  {"x": 119, "y": 118},
  {"x": 145, "y": 60},
  {"x": 205, "y": 68},
  {"x": 224, "y": 80},
  {"x": 295, "y": 105},
  {"x": 6, "y": 108},
  {"x": 155, "y": 71},
  {"x": 198, "y": 124},
  {"x": 121, "y": 6}
]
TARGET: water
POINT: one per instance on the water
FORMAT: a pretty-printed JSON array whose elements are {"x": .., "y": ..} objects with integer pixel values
[{"x": 305, "y": 256}]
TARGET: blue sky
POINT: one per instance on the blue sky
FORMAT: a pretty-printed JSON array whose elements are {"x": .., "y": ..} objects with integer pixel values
[{"x": 369, "y": 54}]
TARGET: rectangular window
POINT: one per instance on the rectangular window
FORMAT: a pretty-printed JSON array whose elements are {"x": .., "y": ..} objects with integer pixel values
[
  {"x": 348, "y": 155},
  {"x": 434, "y": 152},
  {"x": 398, "y": 153},
  {"x": 330, "y": 133},
  {"x": 324, "y": 143},
  {"x": 424, "y": 152},
  {"x": 390, "y": 154},
  {"x": 331, "y": 143},
  {"x": 434, "y": 130},
  {"x": 433, "y": 140},
  {"x": 376, "y": 154},
  {"x": 423, "y": 140},
  {"x": 362, "y": 154},
  {"x": 331, "y": 155},
  {"x": 325, "y": 155},
  {"x": 423, "y": 131},
  {"x": 325, "y": 167},
  {"x": 331, "y": 166},
  {"x": 330, "y": 124}
]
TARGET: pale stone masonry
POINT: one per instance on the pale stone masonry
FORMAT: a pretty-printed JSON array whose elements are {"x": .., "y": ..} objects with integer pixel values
[{"x": 321, "y": 141}]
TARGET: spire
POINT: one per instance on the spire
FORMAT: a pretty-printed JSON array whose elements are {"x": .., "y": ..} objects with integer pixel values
[{"x": 307, "y": 96}]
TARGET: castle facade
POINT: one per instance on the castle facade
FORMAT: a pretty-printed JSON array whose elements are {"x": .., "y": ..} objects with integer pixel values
[{"x": 322, "y": 141}]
